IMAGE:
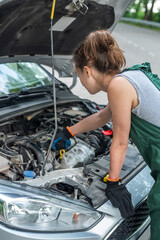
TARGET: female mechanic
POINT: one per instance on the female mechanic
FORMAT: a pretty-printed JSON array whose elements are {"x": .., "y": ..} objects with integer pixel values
[{"x": 134, "y": 107}]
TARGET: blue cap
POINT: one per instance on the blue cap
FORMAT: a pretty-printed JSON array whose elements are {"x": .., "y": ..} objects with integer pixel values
[{"x": 29, "y": 174}]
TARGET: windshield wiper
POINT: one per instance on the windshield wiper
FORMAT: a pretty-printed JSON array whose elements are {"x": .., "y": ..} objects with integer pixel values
[
  {"x": 40, "y": 89},
  {"x": 10, "y": 96},
  {"x": 27, "y": 91},
  {"x": 47, "y": 89}
]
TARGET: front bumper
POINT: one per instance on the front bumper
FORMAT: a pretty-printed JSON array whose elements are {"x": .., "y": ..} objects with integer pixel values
[
  {"x": 139, "y": 186},
  {"x": 96, "y": 233}
]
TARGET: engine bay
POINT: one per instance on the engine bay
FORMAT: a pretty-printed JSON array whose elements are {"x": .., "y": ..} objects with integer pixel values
[{"x": 24, "y": 142}]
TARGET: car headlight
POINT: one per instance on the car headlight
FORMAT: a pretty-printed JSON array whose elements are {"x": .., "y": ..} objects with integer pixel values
[{"x": 44, "y": 213}]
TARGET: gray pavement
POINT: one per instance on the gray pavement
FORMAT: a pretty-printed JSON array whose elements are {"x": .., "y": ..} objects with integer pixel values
[{"x": 139, "y": 45}]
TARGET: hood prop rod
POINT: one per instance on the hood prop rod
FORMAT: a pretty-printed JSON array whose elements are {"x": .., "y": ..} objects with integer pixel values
[{"x": 54, "y": 90}]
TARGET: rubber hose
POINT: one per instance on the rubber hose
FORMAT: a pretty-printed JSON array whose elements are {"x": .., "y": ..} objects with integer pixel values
[{"x": 31, "y": 146}]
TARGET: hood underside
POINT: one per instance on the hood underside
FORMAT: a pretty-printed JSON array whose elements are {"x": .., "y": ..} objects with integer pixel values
[{"x": 25, "y": 24}]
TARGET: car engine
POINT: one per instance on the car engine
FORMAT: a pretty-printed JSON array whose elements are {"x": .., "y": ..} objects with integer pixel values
[{"x": 24, "y": 141}]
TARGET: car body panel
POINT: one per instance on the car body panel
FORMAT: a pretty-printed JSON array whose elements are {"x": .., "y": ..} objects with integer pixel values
[{"x": 25, "y": 28}]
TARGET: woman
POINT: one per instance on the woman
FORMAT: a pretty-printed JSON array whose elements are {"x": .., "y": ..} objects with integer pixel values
[{"x": 134, "y": 107}]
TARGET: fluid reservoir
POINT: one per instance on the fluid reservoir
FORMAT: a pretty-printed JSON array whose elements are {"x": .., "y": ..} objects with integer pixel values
[
  {"x": 3, "y": 164},
  {"x": 29, "y": 174}
]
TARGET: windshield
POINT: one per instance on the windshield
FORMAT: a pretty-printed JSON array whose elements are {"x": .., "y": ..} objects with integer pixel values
[{"x": 15, "y": 76}]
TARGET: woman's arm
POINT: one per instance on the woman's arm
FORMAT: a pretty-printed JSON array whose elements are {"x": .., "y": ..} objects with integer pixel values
[
  {"x": 92, "y": 122},
  {"x": 121, "y": 95}
]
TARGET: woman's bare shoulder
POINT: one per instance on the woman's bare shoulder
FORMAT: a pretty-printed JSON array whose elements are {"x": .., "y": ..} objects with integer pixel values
[{"x": 120, "y": 89}]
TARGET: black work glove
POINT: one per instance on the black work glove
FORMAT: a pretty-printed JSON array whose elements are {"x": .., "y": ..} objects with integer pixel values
[
  {"x": 62, "y": 140},
  {"x": 120, "y": 198}
]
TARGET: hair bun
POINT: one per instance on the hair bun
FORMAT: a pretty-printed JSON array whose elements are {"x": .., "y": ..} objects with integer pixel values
[{"x": 100, "y": 50}]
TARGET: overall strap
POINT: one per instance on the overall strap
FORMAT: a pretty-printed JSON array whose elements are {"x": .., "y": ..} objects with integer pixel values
[{"x": 146, "y": 69}]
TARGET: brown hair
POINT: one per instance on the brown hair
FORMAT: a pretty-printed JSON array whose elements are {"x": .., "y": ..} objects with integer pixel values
[{"x": 101, "y": 51}]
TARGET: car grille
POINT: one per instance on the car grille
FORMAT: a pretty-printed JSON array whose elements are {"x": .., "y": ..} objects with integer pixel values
[{"x": 131, "y": 224}]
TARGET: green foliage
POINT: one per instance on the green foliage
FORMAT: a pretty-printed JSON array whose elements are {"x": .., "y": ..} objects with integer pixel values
[
  {"x": 140, "y": 9},
  {"x": 156, "y": 17}
]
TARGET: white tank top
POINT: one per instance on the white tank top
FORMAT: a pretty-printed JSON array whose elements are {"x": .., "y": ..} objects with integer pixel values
[{"x": 148, "y": 95}]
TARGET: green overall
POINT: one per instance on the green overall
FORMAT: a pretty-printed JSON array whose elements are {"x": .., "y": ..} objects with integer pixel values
[{"x": 146, "y": 137}]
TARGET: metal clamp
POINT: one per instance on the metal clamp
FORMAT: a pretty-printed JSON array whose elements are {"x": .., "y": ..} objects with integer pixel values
[{"x": 80, "y": 6}]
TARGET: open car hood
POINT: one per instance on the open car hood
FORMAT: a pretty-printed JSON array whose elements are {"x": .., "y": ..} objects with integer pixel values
[{"x": 25, "y": 27}]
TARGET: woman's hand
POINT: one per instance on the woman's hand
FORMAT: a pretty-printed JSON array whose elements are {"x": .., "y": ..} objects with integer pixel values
[
  {"x": 120, "y": 198},
  {"x": 62, "y": 139}
]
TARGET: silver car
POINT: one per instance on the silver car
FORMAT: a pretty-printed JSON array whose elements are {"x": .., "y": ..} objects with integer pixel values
[{"x": 47, "y": 194}]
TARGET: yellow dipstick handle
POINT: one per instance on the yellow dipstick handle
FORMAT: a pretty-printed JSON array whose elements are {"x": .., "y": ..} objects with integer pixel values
[
  {"x": 53, "y": 8},
  {"x": 62, "y": 152}
]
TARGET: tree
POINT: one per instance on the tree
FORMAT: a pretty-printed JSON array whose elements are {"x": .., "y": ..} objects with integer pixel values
[
  {"x": 151, "y": 11},
  {"x": 145, "y": 3},
  {"x": 143, "y": 9},
  {"x": 137, "y": 8}
]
